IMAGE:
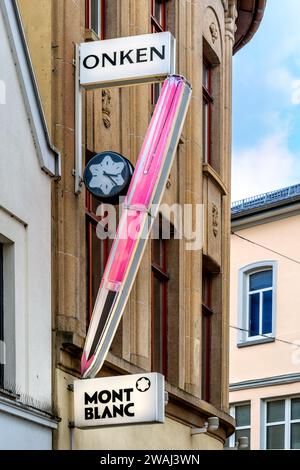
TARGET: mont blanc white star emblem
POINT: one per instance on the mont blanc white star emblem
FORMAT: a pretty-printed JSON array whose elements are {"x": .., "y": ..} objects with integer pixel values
[
  {"x": 107, "y": 174},
  {"x": 143, "y": 384}
]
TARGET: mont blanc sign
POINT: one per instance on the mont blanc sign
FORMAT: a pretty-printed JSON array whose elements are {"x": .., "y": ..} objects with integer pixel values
[
  {"x": 126, "y": 61},
  {"x": 125, "y": 399}
]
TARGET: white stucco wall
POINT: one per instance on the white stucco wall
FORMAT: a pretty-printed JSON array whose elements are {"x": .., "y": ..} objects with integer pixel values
[{"x": 25, "y": 219}]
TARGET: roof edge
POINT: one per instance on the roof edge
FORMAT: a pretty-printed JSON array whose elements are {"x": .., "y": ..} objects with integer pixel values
[{"x": 251, "y": 28}]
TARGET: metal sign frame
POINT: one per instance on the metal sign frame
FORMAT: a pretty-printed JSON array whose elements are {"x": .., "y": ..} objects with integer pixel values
[
  {"x": 123, "y": 400},
  {"x": 129, "y": 81}
]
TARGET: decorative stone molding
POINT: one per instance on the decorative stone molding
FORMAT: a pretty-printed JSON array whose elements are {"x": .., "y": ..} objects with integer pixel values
[
  {"x": 230, "y": 20},
  {"x": 106, "y": 107},
  {"x": 214, "y": 32},
  {"x": 215, "y": 219},
  {"x": 225, "y": 4}
]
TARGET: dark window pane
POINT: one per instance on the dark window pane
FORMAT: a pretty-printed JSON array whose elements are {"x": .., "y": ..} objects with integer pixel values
[
  {"x": 98, "y": 251},
  {"x": 227, "y": 443},
  {"x": 242, "y": 415},
  {"x": 159, "y": 306},
  {"x": 157, "y": 252},
  {"x": 275, "y": 437},
  {"x": 156, "y": 91},
  {"x": 1, "y": 317},
  {"x": 254, "y": 314},
  {"x": 243, "y": 433},
  {"x": 206, "y": 288},
  {"x": 206, "y": 76},
  {"x": 275, "y": 411},
  {"x": 95, "y": 205},
  {"x": 205, "y": 132},
  {"x": 158, "y": 10},
  {"x": 95, "y": 16},
  {"x": 206, "y": 356},
  {"x": 267, "y": 312},
  {"x": 157, "y": 325},
  {"x": 261, "y": 280},
  {"x": 295, "y": 414},
  {"x": 295, "y": 436}
]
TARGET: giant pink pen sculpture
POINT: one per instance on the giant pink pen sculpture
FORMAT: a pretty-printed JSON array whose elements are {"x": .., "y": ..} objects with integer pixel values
[{"x": 139, "y": 210}]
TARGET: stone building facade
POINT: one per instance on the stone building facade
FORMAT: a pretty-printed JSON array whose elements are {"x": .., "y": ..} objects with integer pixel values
[{"x": 176, "y": 320}]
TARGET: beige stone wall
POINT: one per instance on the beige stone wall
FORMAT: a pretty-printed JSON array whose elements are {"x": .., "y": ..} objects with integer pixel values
[{"x": 37, "y": 23}]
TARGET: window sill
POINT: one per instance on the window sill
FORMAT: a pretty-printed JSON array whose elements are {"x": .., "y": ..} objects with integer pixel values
[
  {"x": 8, "y": 394},
  {"x": 254, "y": 342},
  {"x": 90, "y": 35},
  {"x": 209, "y": 171},
  {"x": 10, "y": 404}
]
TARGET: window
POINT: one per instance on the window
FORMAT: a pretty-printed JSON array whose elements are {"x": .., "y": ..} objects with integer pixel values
[
  {"x": 242, "y": 414},
  {"x": 206, "y": 334},
  {"x": 95, "y": 17},
  {"x": 97, "y": 250},
  {"x": 207, "y": 111},
  {"x": 158, "y": 15},
  {"x": 158, "y": 24},
  {"x": 160, "y": 280},
  {"x": 257, "y": 302},
  {"x": 282, "y": 424},
  {"x": 260, "y": 302},
  {"x": 7, "y": 307},
  {"x": 1, "y": 319}
]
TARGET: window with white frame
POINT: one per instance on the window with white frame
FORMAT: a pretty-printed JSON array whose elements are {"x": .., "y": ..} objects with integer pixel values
[
  {"x": 257, "y": 286},
  {"x": 242, "y": 414},
  {"x": 282, "y": 423}
]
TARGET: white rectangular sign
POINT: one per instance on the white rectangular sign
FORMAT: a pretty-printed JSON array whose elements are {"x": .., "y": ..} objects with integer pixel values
[
  {"x": 124, "y": 399},
  {"x": 127, "y": 60}
]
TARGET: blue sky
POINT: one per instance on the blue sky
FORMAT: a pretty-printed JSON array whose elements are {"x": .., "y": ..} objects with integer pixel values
[{"x": 266, "y": 104}]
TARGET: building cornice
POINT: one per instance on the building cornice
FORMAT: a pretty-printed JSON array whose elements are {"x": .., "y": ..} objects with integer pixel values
[
  {"x": 182, "y": 406},
  {"x": 263, "y": 215},
  {"x": 265, "y": 382},
  {"x": 250, "y": 14}
]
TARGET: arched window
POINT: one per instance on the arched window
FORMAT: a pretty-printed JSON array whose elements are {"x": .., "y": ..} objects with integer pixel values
[{"x": 257, "y": 287}]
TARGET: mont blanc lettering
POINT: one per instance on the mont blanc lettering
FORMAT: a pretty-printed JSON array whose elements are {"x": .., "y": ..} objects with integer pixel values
[
  {"x": 109, "y": 404},
  {"x": 119, "y": 58}
]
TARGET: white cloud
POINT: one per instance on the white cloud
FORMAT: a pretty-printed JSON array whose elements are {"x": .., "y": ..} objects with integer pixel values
[
  {"x": 267, "y": 166},
  {"x": 281, "y": 79},
  {"x": 295, "y": 92}
]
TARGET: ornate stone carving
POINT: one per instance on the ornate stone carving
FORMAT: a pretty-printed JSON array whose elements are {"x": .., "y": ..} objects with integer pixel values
[
  {"x": 225, "y": 4},
  {"x": 106, "y": 108},
  {"x": 215, "y": 219},
  {"x": 214, "y": 32},
  {"x": 231, "y": 16}
]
